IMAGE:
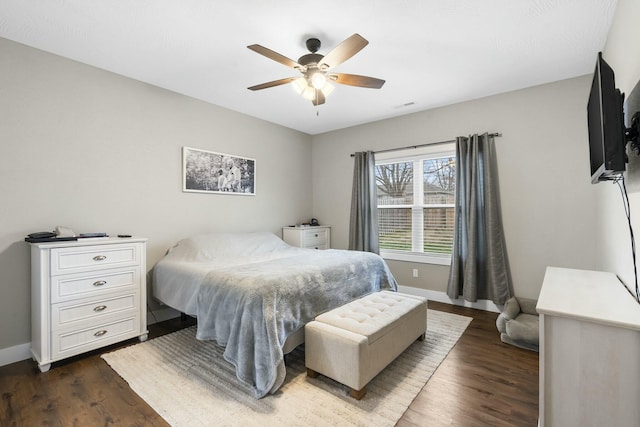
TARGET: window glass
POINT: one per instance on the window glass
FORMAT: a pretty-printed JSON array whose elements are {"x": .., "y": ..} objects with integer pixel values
[
  {"x": 438, "y": 230},
  {"x": 394, "y": 228},
  {"x": 395, "y": 183},
  {"x": 416, "y": 205},
  {"x": 439, "y": 180}
]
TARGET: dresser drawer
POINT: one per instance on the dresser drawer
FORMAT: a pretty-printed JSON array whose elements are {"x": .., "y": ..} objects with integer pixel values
[
  {"x": 76, "y": 259},
  {"x": 84, "y": 285},
  {"x": 65, "y": 344},
  {"x": 67, "y": 314}
]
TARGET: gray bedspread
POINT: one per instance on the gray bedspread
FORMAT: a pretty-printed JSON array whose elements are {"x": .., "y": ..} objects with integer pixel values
[{"x": 250, "y": 307}]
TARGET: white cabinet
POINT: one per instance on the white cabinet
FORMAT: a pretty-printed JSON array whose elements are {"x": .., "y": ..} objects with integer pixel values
[
  {"x": 317, "y": 237},
  {"x": 86, "y": 294},
  {"x": 589, "y": 350}
]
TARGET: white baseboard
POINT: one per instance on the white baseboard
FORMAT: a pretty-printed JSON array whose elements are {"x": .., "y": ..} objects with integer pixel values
[
  {"x": 15, "y": 354},
  {"x": 485, "y": 305}
]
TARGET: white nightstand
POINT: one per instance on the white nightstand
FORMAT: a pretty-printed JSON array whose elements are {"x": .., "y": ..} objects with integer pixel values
[
  {"x": 86, "y": 294},
  {"x": 318, "y": 237}
]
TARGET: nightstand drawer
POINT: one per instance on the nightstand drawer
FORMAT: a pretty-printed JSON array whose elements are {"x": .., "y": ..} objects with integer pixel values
[
  {"x": 79, "y": 341},
  {"x": 66, "y": 314},
  {"x": 317, "y": 246},
  {"x": 314, "y": 238},
  {"x": 83, "y": 285},
  {"x": 75, "y": 259}
]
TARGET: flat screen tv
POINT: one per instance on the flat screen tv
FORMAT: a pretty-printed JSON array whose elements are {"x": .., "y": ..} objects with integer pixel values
[{"x": 606, "y": 125}]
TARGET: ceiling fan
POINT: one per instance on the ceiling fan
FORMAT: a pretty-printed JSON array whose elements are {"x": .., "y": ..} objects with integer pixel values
[{"x": 316, "y": 77}]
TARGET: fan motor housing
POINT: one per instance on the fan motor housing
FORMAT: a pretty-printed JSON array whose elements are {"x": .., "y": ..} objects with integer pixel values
[{"x": 310, "y": 58}]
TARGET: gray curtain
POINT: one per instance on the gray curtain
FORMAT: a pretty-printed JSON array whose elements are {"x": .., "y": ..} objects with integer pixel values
[
  {"x": 363, "y": 222},
  {"x": 479, "y": 265}
]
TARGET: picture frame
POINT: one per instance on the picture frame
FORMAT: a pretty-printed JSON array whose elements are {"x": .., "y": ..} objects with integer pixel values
[{"x": 218, "y": 173}]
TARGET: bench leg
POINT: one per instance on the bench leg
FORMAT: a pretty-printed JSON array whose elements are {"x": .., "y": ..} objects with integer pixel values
[
  {"x": 422, "y": 337},
  {"x": 358, "y": 394}
]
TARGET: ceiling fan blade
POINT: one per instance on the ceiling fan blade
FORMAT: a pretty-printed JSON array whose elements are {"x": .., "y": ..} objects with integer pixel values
[
  {"x": 273, "y": 83},
  {"x": 343, "y": 51},
  {"x": 274, "y": 56},
  {"x": 356, "y": 80},
  {"x": 319, "y": 98}
]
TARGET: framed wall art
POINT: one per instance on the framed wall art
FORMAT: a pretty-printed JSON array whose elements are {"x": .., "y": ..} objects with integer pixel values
[{"x": 211, "y": 172}]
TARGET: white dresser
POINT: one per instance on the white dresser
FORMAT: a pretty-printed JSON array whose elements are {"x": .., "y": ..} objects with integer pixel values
[
  {"x": 589, "y": 350},
  {"x": 86, "y": 294},
  {"x": 316, "y": 237}
]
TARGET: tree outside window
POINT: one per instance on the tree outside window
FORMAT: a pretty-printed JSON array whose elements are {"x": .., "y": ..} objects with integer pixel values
[{"x": 416, "y": 200}]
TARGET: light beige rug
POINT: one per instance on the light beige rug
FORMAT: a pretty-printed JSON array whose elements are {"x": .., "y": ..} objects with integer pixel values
[{"x": 189, "y": 384}]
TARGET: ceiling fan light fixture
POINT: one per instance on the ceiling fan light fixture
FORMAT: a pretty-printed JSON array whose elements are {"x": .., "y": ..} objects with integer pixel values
[
  {"x": 327, "y": 89},
  {"x": 318, "y": 80},
  {"x": 299, "y": 85},
  {"x": 309, "y": 93},
  {"x": 302, "y": 87}
]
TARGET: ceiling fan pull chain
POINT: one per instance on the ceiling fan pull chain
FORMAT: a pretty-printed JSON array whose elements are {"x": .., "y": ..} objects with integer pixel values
[{"x": 317, "y": 102}]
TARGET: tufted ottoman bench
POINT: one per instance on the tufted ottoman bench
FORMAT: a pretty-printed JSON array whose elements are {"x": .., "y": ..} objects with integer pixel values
[{"x": 353, "y": 343}]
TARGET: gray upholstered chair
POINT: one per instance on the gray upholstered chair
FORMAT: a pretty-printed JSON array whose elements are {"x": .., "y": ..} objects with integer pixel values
[{"x": 518, "y": 323}]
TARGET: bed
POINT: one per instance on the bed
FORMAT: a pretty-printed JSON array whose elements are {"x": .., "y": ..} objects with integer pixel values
[{"x": 252, "y": 293}]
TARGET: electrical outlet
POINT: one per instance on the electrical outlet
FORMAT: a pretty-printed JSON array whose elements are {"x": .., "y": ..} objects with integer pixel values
[{"x": 415, "y": 272}]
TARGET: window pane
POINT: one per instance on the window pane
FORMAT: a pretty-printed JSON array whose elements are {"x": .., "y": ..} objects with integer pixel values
[
  {"x": 394, "y": 228},
  {"x": 439, "y": 180},
  {"x": 417, "y": 215},
  {"x": 438, "y": 230},
  {"x": 395, "y": 183}
]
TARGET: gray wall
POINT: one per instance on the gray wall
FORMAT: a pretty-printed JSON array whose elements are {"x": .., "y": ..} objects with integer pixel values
[
  {"x": 621, "y": 52},
  {"x": 96, "y": 151},
  {"x": 547, "y": 200}
]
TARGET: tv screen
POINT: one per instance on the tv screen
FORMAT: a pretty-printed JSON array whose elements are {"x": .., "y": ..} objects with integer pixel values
[{"x": 606, "y": 125}]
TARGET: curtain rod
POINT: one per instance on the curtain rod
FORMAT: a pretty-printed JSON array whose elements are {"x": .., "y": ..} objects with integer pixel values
[{"x": 495, "y": 134}]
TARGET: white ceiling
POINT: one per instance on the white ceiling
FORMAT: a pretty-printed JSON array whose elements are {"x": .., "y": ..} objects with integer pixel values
[{"x": 430, "y": 52}]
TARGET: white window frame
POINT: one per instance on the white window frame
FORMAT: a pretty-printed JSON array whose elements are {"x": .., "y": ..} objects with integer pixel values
[{"x": 417, "y": 156}]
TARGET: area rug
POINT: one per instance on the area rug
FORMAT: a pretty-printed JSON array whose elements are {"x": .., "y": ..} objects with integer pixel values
[{"x": 189, "y": 384}]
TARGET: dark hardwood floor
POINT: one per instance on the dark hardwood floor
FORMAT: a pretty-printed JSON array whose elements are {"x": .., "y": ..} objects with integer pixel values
[{"x": 482, "y": 382}]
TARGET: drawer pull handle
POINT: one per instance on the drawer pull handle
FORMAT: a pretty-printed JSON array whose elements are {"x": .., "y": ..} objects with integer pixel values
[
  {"x": 316, "y": 235},
  {"x": 100, "y": 333},
  {"x": 100, "y": 283},
  {"x": 100, "y": 308},
  {"x": 99, "y": 258}
]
